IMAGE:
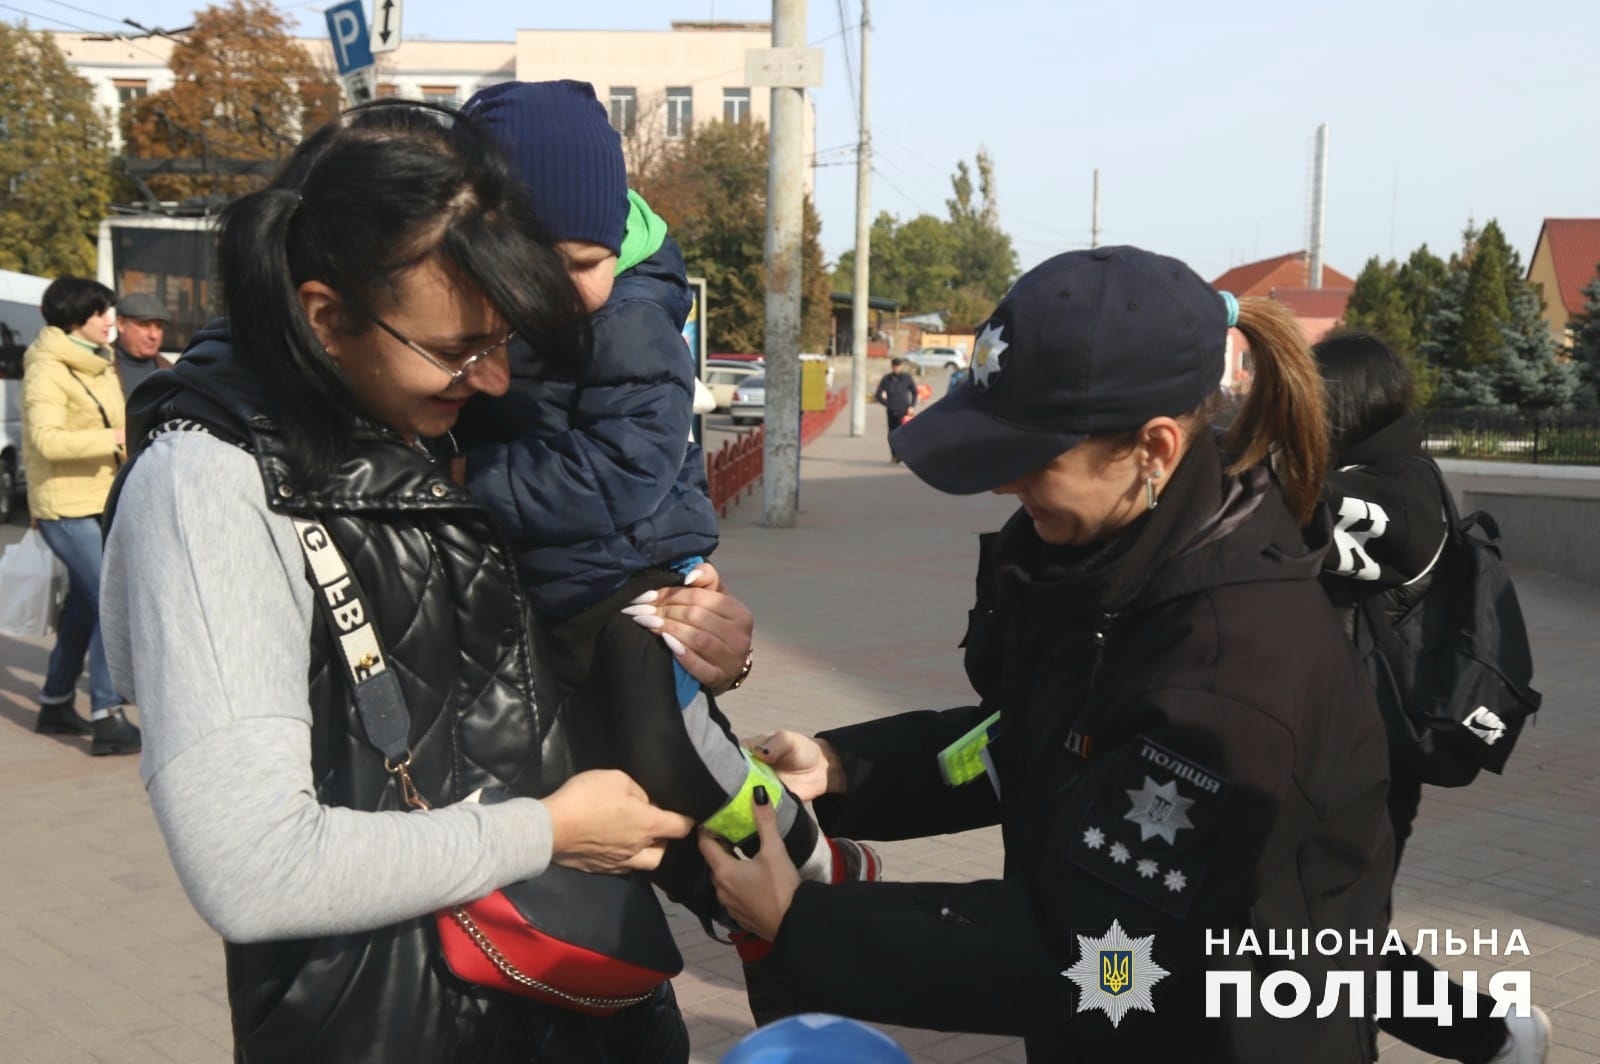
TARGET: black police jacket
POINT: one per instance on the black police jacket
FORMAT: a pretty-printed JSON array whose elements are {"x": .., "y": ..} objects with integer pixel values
[
  {"x": 455, "y": 623},
  {"x": 1187, "y": 750}
]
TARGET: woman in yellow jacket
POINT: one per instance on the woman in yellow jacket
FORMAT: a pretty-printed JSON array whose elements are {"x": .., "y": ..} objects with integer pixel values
[{"x": 72, "y": 444}]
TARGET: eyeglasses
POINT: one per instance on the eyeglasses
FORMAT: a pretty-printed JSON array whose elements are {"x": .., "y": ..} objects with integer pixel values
[{"x": 460, "y": 371}]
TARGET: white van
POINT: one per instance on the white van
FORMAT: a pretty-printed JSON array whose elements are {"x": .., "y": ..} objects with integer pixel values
[{"x": 20, "y": 325}]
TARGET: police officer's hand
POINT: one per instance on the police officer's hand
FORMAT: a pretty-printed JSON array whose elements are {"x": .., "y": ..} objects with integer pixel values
[
  {"x": 756, "y": 892},
  {"x": 808, "y": 767}
]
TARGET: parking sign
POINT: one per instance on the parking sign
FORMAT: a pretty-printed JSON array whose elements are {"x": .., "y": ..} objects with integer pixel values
[{"x": 347, "y": 27}]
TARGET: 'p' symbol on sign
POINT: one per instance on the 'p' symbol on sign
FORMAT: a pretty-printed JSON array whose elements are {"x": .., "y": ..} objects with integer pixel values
[{"x": 347, "y": 28}]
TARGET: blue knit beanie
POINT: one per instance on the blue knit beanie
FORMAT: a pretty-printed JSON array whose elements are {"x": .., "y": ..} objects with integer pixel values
[{"x": 559, "y": 139}]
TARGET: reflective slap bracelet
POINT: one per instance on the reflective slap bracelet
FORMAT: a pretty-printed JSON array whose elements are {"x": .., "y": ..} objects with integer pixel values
[
  {"x": 736, "y": 821},
  {"x": 962, "y": 761}
]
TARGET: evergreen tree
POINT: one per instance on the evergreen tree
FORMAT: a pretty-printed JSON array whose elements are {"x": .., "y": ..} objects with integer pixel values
[
  {"x": 1531, "y": 375},
  {"x": 1419, "y": 281},
  {"x": 1585, "y": 330},
  {"x": 1485, "y": 302},
  {"x": 56, "y": 178},
  {"x": 1377, "y": 306}
]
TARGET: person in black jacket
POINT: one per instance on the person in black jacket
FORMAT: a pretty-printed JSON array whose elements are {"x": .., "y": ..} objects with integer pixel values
[
  {"x": 1181, "y": 750},
  {"x": 371, "y": 288},
  {"x": 897, "y": 391},
  {"x": 1387, "y": 504}
]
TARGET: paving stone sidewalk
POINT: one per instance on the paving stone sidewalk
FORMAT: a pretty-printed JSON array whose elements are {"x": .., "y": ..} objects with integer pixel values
[{"x": 859, "y": 611}]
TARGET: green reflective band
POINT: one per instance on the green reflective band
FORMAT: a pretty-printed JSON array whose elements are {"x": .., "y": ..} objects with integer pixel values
[
  {"x": 736, "y": 821},
  {"x": 962, "y": 761}
]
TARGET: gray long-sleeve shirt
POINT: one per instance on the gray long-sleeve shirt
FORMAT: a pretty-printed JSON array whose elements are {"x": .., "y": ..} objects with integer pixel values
[{"x": 206, "y": 614}]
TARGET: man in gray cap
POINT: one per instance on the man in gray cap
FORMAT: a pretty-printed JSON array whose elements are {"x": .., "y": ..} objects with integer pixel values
[{"x": 141, "y": 323}]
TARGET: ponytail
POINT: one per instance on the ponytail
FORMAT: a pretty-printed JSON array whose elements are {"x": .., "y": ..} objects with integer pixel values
[
  {"x": 316, "y": 409},
  {"x": 1284, "y": 419}
]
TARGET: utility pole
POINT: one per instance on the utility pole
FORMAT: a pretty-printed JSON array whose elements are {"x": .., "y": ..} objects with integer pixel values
[
  {"x": 1319, "y": 207},
  {"x": 860, "y": 294},
  {"x": 1094, "y": 221},
  {"x": 780, "y": 488}
]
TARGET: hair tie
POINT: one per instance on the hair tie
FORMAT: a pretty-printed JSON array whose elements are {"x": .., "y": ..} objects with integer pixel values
[{"x": 1232, "y": 306}]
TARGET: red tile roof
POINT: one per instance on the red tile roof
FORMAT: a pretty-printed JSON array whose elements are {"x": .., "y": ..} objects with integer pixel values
[
  {"x": 1314, "y": 302},
  {"x": 1575, "y": 249},
  {"x": 1285, "y": 271}
]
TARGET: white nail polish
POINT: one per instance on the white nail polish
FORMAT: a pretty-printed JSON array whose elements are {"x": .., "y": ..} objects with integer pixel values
[
  {"x": 694, "y": 576},
  {"x": 672, "y": 644},
  {"x": 651, "y": 623},
  {"x": 648, "y": 596},
  {"x": 639, "y": 611}
]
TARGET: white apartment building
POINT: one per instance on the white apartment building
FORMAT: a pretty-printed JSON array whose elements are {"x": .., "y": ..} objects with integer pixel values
[{"x": 656, "y": 83}]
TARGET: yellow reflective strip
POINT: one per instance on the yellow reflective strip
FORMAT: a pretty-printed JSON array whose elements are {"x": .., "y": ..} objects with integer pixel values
[
  {"x": 962, "y": 761},
  {"x": 736, "y": 821}
]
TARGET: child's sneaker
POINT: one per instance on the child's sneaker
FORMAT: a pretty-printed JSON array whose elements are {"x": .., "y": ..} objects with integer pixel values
[{"x": 854, "y": 862}]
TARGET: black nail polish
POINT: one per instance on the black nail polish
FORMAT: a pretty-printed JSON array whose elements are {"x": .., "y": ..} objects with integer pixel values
[{"x": 761, "y": 795}]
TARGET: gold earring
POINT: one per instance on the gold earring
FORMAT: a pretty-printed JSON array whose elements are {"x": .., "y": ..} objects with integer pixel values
[{"x": 1150, "y": 489}]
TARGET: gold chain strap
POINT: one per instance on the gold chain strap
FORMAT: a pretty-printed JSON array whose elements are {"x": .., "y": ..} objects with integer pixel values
[{"x": 511, "y": 972}]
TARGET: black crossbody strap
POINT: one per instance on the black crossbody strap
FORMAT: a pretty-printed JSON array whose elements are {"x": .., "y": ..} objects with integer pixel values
[
  {"x": 97, "y": 405},
  {"x": 379, "y": 701}
]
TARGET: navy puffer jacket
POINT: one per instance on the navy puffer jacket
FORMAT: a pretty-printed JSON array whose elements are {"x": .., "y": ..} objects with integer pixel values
[{"x": 597, "y": 478}]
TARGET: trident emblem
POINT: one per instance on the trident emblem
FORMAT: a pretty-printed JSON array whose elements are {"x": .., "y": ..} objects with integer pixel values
[{"x": 1116, "y": 971}]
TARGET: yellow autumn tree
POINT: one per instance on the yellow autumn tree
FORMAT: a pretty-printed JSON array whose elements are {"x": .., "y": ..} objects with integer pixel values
[
  {"x": 55, "y": 159},
  {"x": 246, "y": 92}
]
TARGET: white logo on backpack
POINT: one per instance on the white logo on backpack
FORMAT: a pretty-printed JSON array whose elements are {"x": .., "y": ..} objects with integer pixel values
[{"x": 1485, "y": 724}]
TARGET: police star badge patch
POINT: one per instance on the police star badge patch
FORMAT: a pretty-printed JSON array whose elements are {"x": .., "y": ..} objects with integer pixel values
[
  {"x": 1150, "y": 829},
  {"x": 1116, "y": 973},
  {"x": 986, "y": 354}
]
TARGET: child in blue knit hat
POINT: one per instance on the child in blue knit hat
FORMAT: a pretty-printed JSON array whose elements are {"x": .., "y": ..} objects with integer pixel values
[{"x": 603, "y": 494}]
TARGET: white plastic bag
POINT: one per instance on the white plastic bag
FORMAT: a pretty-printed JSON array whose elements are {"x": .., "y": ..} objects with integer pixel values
[{"x": 32, "y": 583}]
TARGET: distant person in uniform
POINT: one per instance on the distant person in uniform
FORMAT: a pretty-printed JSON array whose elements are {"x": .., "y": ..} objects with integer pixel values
[
  {"x": 141, "y": 326},
  {"x": 897, "y": 391}
]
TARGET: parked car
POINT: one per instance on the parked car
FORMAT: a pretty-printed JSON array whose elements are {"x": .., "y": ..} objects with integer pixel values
[
  {"x": 20, "y": 323},
  {"x": 723, "y": 377},
  {"x": 938, "y": 358},
  {"x": 750, "y": 400},
  {"x": 746, "y": 357}
]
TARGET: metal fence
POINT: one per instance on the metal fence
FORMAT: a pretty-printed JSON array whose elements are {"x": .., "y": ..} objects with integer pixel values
[
  {"x": 735, "y": 468},
  {"x": 1571, "y": 438}
]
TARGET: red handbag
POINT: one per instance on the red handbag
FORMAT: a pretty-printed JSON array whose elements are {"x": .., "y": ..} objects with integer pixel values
[
  {"x": 584, "y": 941},
  {"x": 593, "y": 943}
]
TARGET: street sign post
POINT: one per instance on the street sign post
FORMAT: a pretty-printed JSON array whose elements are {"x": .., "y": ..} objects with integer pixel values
[
  {"x": 347, "y": 27},
  {"x": 352, "y": 50},
  {"x": 385, "y": 25}
]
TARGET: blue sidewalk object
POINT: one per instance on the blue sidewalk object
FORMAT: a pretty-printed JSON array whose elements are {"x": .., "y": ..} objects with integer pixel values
[{"x": 816, "y": 1038}]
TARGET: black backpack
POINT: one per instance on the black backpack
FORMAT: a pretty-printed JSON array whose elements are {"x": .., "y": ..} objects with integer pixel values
[{"x": 1452, "y": 668}]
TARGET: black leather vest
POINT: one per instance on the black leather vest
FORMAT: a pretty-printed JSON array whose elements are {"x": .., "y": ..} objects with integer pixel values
[{"x": 452, "y": 615}]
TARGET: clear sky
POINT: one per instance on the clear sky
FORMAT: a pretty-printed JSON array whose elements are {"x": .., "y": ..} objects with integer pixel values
[{"x": 1200, "y": 117}]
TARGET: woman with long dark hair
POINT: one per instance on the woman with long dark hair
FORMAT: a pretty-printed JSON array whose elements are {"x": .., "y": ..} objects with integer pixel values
[
  {"x": 371, "y": 290},
  {"x": 1387, "y": 503}
]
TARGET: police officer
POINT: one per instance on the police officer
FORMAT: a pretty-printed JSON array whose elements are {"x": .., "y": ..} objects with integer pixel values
[{"x": 1181, "y": 751}]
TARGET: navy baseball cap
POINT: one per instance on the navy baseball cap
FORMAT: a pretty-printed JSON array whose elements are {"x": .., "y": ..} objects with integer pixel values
[{"x": 1087, "y": 342}]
